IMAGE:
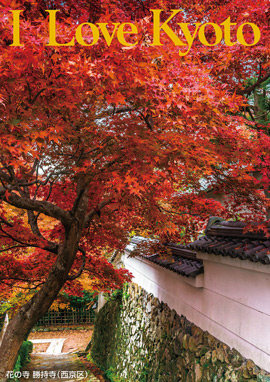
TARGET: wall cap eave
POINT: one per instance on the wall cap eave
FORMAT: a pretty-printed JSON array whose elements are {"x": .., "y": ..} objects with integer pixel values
[
  {"x": 196, "y": 282},
  {"x": 234, "y": 262}
]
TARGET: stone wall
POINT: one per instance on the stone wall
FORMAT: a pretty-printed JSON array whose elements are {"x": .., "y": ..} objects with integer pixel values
[
  {"x": 230, "y": 300},
  {"x": 137, "y": 338}
]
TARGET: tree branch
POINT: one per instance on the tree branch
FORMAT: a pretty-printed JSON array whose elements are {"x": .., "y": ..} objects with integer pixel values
[
  {"x": 44, "y": 207},
  {"x": 82, "y": 266},
  {"x": 50, "y": 246},
  {"x": 114, "y": 110},
  {"x": 96, "y": 211},
  {"x": 249, "y": 90},
  {"x": 175, "y": 212},
  {"x": 14, "y": 246}
]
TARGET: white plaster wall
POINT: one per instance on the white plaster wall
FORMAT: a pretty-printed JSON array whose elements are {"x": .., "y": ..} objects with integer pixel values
[
  {"x": 101, "y": 301},
  {"x": 4, "y": 328},
  {"x": 231, "y": 300}
]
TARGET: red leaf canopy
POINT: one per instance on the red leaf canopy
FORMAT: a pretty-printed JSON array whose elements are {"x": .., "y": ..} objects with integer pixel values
[{"x": 135, "y": 129}]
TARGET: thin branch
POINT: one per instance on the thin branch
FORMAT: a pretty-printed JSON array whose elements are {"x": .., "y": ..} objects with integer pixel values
[
  {"x": 37, "y": 95},
  {"x": 113, "y": 110},
  {"x": 13, "y": 238},
  {"x": 14, "y": 246},
  {"x": 82, "y": 266},
  {"x": 249, "y": 90},
  {"x": 47, "y": 208},
  {"x": 250, "y": 113},
  {"x": 47, "y": 198},
  {"x": 50, "y": 247},
  {"x": 175, "y": 212},
  {"x": 4, "y": 176},
  {"x": 96, "y": 211},
  {"x": 18, "y": 286},
  {"x": 6, "y": 222}
]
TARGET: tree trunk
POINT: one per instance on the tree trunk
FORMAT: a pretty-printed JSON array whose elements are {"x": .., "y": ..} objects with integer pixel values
[{"x": 28, "y": 315}]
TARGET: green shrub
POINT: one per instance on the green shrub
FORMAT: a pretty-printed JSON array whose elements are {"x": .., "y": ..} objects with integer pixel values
[
  {"x": 114, "y": 295},
  {"x": 23, "y": 357},
  {"x": 80, "y": 302},
  {"x": 25, "y": 351}
]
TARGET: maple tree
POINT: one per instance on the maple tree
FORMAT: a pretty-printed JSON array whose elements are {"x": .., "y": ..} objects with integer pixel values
[{"x": 98, "y": 141}]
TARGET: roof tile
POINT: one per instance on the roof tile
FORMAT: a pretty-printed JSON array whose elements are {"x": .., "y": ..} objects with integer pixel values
[
  {"x": 223, "y": 238},
  {"x": 230, "y": 239},
  {"x": 183, "y": 260}
]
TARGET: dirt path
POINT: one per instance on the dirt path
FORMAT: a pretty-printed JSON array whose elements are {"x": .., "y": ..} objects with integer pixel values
[
  {"x": 58, "y": 368},
  {"x": 76, "y": 340},
  {"x": 61, "y": 364}
]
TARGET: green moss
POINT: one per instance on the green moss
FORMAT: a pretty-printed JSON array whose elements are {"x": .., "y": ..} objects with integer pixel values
[
  {"x": 111, "y": 375},
  {"x": 134, "y": 342},
  {"x": 23, "y": 357},
  {"x": 104, "y": 339}
]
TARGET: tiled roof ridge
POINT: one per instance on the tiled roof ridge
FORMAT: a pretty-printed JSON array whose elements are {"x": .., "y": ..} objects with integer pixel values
[
  {"x": 228, "y": 238},
  {"x": 183, "y": 260},
  {"x": 225, "y": 238},
  {"x": 231, "y": 228},
  {"x": 176, "y": 249},
  {"x": 181, "y": 250}
]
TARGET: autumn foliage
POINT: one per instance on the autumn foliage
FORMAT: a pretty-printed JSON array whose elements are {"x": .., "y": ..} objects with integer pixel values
[{"x": 122, "y": 138}]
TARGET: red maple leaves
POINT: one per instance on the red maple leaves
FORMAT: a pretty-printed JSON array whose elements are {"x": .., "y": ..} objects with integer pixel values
[{"x": 143, "y": 134}]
